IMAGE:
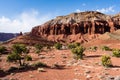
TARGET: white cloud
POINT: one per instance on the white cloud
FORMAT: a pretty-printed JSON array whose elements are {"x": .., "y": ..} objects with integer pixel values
[
  {"x": 23, "y": 22},
  {"x": 106, "y": 10},
  {"x": 78, "y": 10}
]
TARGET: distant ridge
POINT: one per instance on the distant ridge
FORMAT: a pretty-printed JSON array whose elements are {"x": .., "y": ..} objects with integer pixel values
[{"x": 7, "y": 36}]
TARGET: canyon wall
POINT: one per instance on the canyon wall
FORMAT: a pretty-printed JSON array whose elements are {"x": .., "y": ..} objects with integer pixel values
[{"x": 77, "y": 27}]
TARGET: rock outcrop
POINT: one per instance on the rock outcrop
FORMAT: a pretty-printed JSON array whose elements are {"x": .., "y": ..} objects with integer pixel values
[{"x": 77, "y": 27}]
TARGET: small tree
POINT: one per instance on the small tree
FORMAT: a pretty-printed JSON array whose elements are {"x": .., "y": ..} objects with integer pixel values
[
  {"x": 106, "y": 61},
  {"x": 19, "y": 53},
  {"x": 58, "y": 46},
  {"x": 78, "y": 52}
]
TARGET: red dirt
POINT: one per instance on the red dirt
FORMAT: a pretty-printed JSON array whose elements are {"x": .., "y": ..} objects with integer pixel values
[{"x": 73, "y": 70}]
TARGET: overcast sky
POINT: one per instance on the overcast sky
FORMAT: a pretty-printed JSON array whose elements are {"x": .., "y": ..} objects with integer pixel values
[{"x": 22, "y": 15}]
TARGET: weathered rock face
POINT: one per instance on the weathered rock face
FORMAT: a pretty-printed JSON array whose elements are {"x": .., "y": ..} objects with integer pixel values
[{"x": 77, "y": 27}]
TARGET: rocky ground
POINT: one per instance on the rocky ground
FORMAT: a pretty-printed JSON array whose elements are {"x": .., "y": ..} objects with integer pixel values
[{"x": 89, "y": 68}]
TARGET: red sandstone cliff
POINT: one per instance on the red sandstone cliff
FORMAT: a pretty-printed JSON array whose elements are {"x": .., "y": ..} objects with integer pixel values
[{"x": 77, "y": 27}]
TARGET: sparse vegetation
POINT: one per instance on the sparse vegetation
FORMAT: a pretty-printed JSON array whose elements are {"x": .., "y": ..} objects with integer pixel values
[
  {"x": 93, "y": 48},
  {"x": 58, "y": 46},
  {"x": 73, "y": 45},
  {"x": 18, "y": 54},
  {"x": 39, "y": 64},
  {"x": 78, "y": 52},
  {"x": 38, "y": 48},
  {"x": 106, "y": 61},
  {"x": 106, "y": 48},
  {"x": 116, "y": 52},
  {"x": 28, "y": 58},
  {"x": 2, "y": 49}
]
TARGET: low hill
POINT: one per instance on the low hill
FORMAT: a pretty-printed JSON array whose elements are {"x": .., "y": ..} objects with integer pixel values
[{"x": 28, "y": 40}]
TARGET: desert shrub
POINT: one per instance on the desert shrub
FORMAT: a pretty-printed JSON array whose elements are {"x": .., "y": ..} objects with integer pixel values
[
  {"x": 39, "y": 64},
  {"x": 58, "y": 46},
  {"x": 73, "y": 45},
  {"x": 2, "y": 49},
  {"x": 38, "y": 48},
  {"x": 93, "y": 48},
  {"x": 18, "y": 54},
  {"x": 28, "y": 58},
  {"x": 37, "y": 51},
  {"x": 106, "y": 61},
  {"x": 106, "y": 48},
  {"x": 116, "y": 52},
  {"x": 78, "y": 52}
]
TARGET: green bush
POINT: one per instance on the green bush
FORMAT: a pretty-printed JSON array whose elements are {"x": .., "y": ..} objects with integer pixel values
[
  {"x": 38, "y": 46},
  {"x": 78, "y": 52},
  {"x": 93, "y": 48},
  {"x": 106, "y": 61},
  {"x": 58, "y": 46},
  {"x": 2, "y": 49},
  {"x": 73, "y": 45},
  {"x": 106, "y": 48},
  {"x": 28, "y": 58},
  {"x": 39, "y": 64},
  {"x": 37, "y": 51},
  {"x": 116, "y": 52}
]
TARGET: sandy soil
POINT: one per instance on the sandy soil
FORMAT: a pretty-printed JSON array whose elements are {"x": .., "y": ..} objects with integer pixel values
[{"x": 89, "y": 68}]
